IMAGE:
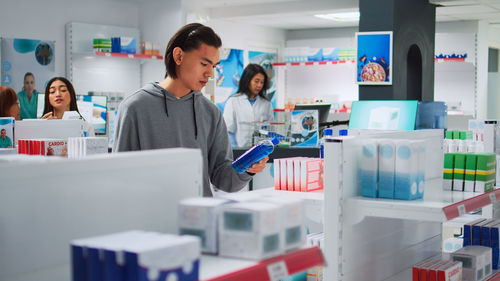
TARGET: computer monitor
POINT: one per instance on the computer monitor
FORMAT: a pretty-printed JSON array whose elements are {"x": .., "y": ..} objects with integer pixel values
[
  {"x": 322, "y": 108},
  {"x": 92, "y": 108},
  {"x": 384, "y": 115}
]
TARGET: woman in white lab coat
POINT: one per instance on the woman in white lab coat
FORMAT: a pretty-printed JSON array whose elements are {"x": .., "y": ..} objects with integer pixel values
[{"x": 247, "y": 105}]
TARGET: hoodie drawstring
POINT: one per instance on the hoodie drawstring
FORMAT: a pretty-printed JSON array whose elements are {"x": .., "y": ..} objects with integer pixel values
[
  {"x": 165, "y": 98},
  {"x": 194, "y": 114},
  {"x": 195, "y": 123}
]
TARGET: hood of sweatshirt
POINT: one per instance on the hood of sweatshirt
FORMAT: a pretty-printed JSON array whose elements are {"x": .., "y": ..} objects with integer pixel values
[{"x": 170, "y": 100}]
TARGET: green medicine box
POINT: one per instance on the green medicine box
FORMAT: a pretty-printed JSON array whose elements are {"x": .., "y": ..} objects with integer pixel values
[
  {"x": 470, "y": 172},
  {"x": 459, "y": 172},
  {"x": 485, "y": 172},
  {"x": 449, "y": 163}
]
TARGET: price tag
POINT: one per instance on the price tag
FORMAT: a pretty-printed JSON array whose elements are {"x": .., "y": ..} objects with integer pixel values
[
  {"x": 461, "y": 210},
  {"x": 130, "y": 56},
  {"x": 493, "y": 197},
  {"x": 107, "y": 54},
  {"x": 153, "y": 57},
  {"x": 277, "y": 271}
]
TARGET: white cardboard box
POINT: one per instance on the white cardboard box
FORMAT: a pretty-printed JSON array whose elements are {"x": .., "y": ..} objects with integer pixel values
[{"x": 250, "y": 230}]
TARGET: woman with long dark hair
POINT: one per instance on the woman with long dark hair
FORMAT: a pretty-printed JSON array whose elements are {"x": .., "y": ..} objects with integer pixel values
[
  {"x": 60, "y": 97},
  {"x": 249, "y": 104}
]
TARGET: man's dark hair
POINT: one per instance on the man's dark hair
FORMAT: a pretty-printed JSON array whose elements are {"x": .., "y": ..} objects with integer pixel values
[
  {"x": 189, "y": 37},
  {"x": 250, "y": 71}
]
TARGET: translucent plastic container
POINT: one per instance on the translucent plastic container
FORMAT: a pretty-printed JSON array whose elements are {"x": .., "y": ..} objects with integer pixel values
[{"x": 254, "y": 155}]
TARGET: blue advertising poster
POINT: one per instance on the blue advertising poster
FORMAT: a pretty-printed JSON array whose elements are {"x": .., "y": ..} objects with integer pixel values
[
  {"x": 374, "y": 58},
  {"x": 20, "y": 56},
  {"x": 266, "y": 60},
  {"x": 304, "y": 128},
  {"x": 227, "y": 75},
  {"x": 383, "y": 115}
]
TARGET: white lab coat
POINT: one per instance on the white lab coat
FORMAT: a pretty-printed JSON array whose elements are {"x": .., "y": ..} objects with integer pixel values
[{"x": 238, "y": 109}]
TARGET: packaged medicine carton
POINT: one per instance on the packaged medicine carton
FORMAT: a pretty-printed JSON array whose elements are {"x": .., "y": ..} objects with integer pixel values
[
  {"x": 459, "y": 172},
  {"x": 468, "y": 231},
  {"x": 369, "y": 169},
  {"x": 406, "y": 170},
  {"x": 290, "y": 184},
  {"x": 200, "y": 217},
  {"x": 386, "y": 168},
  {"x": 485, "y": 172},
  {"x": 476, "y": 262},
  {"x": 421, "y": 169},
  {"x": 277, "y": 179},
  {"x": 311, "y": 176},
  {"x": 450, "y": 272},
  {"x": 292, "y": 213},
  {"x": 470, "y": 172},
  {"x": 164, "y": 258},
  {"x": 250, "y": 230}
]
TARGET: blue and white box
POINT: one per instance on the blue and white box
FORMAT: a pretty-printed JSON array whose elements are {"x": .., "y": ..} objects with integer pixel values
[
  {"x": 369, "y": 168},
  {"x": 250, "y": 230},
  {"x": 421, "y": 168},
  {"x": 405, "y": 183},
  {"x": 87, "y": 255},
  {"x": 164, "y": 258},
  {"x": 199, "y": 217},
  {"x": 386, "y": 168},
  {"x": 128, "y": 45}
]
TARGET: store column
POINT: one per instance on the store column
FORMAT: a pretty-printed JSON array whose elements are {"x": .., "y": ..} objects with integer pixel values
[{"x": 413, "y": 25}]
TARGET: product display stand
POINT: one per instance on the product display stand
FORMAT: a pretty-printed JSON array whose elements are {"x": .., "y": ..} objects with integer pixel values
[{"x": 381, "y": 239}]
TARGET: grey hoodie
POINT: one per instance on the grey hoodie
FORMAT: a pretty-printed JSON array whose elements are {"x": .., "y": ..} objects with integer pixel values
[{"x": 154, "y": 118}]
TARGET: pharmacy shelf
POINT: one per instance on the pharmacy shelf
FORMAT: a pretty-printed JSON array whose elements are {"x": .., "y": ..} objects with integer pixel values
[
  {"x": 276, "y": 64},
  {"x": 316, "y": 195},
  {"x": 130, "y": 56},
  {"x": 214, "y": 268},
  {"x": 437, "y": 206},
  {"x": 439, "y": 60},
  {"x": 407, "y": 275},
  {"x": 119, "y": 55}
]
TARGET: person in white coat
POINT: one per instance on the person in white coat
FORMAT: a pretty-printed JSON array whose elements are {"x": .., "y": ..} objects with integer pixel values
[{"x": 247, "y": 105}]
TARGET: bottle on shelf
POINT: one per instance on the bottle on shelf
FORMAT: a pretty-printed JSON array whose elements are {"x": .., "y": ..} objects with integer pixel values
[
  {"x": 327, "y": 133},
  {"x": 254, "y": 155}
]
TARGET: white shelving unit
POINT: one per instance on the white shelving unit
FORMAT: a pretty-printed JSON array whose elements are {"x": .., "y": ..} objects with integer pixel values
[
  {"x": 333, "y": 81},
  {"x": 103, "y": 72},
  {"x": 380, "y": 239}
]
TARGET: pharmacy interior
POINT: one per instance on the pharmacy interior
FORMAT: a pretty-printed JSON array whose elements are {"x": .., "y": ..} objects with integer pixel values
[{"x": 382, "y": 145}]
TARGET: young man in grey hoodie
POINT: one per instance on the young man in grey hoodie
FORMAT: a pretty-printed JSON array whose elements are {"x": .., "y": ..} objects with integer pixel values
[{"x": 174, "y": 113}]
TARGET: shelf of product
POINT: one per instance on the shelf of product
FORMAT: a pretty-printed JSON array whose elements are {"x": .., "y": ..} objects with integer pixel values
[
  {"x": 316, "y": 195},
  {"x": 130, "y": 56},
  {"x": 215, "y": 268},
  {"x": 439, "y": 60},
  {"x": 312, "y": 63},
  {"x": 437, "y": 205},
  {"x": 406, "y": 275}
]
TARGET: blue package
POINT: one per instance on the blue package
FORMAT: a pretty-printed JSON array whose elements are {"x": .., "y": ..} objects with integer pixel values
[
  {"x": 405, "y": 183},
  {"x": 128, "y": 45},
  {"x": 387, "y": 162},
  {"x": 369, "y": 170}
]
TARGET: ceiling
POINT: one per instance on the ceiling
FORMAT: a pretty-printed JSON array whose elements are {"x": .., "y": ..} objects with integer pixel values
[{"x": 299, "y": 14}]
